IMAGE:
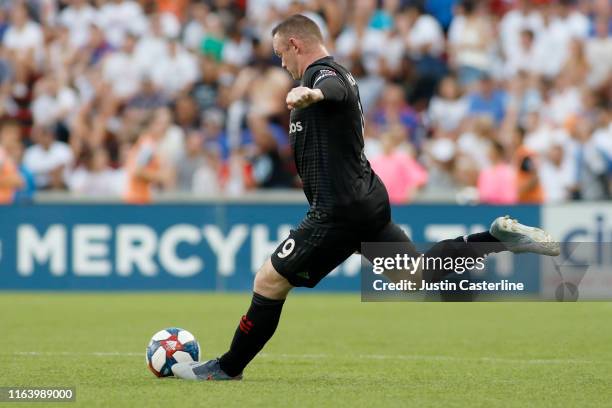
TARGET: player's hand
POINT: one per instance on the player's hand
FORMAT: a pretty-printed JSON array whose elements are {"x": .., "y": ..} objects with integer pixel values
[{"x": 302, "y": 96}]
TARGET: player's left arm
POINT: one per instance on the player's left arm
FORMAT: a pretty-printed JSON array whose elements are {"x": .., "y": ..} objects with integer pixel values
[{"x": 326, "y": 86}]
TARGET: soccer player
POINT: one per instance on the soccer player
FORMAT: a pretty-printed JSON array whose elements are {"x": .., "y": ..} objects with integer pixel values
[{"x": 348, "y": 202}]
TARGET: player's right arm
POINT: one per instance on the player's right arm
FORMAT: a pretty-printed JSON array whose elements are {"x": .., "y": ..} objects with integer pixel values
[
  {"x": 327, "y": 85},
  {"x": 303, "y": 96}
]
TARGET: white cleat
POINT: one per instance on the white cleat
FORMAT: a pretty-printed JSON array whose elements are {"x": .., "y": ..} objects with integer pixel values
[
  {"x": 522, "y": 238},
  {"x": 202, "y": 371},
  {"x": 185, "y": 370}
]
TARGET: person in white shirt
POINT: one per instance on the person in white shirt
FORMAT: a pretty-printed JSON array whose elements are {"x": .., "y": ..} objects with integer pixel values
[
  {"x": 576, "y": 23},
  {"x": 122, "y": 71},
  {"x": 551, "y": 43},
  {"x": 152, "y": 47},
  {"x": 195, "y": 30},
  {"x": 564, "y": 100},
  {"x": 238, "y": 49},
  {"x": 78, "y": 17},
  {"x": 171, "y": 146},
  {"x": 470, "y": 38},
  {"x": 48, "y": 159},
  {"x": 120, "y": 17},
  {"x": 358, "y": 46},
  {"x": 54, "y": 102},
  {"x": 556, "y": 175},
  {"x": 598, "y": 50},
  {"x": 448, "y": 108},
  {"x": 95, "y": 178},
  {"x": 24, "y": 40},
  {"x": 523, "y": 17},
  {"x": 425, "y": 36},
  {"x": 477, "y": 141},
  {"x": 524, "y": 57},
  {"x": 177, "y": 72}
]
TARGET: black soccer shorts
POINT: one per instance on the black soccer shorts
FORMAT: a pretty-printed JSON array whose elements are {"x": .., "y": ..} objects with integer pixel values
[{"x": 313, "y": 250}]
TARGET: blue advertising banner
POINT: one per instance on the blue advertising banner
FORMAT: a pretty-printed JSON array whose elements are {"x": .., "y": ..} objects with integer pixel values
[{"x": 187, "y": 246}]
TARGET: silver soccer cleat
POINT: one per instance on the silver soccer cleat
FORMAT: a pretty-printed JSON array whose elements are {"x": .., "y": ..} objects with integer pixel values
[
  {"x": 202, "y": 371},
  {"x": 522, "y": 238}
]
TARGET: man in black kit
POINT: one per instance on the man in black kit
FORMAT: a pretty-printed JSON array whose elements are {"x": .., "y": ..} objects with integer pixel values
[{"x": 348, "y": 202}]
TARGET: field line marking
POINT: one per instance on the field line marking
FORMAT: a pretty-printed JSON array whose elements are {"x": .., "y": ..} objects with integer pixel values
[
  {"x": 402, "y": 357},
  {"x": 417, "y": 357}
]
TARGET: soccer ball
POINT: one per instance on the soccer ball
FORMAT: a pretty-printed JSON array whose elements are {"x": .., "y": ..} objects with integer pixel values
[{"x": 168, "y": 347}]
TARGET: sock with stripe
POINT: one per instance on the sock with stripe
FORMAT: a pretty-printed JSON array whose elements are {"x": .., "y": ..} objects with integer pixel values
[{"x": 253, "y": 332}]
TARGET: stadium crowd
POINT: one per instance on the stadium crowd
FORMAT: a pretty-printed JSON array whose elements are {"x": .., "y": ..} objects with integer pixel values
[{"x": 500, "y": 101}]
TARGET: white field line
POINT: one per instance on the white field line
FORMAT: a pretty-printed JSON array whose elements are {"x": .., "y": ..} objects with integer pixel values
[{"x": 400, "y": 357}]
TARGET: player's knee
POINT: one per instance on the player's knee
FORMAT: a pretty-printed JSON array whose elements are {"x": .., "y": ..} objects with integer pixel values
[{"x": 270, "y": 283}]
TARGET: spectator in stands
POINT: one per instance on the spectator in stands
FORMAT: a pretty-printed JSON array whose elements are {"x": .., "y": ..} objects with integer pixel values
[
  {"x": 489, "y": 99},
  {"x": 497, "y": 183},
  {"x": 186, "y": 113},
  {"x": 195, "y": 29},
  {"x": 470, "y": 37},
  {"x": 23, "y": 47},
  {"x": 393, "y": 111},
  {"x": 475, "y": 142},
  {"x": 145, "y": 169},
  {"x": 529, "y": 187},
  {"x": 401, "y": 174},
  {"x": 54, "y": 103},
  {"x": 599, "y": 52},
  {"x": 48, "y": 159},
  {"x": 122, "y": 71},
  {"x": 448, "y": 108},
  {"x": 146, "y": 99},
  {"x": 440, "y": 159},
  {"x": 77, "y": 17},
  {"x": 192, "y": 160},
  {"x": 270, "y": 167},
  {"x": 95, "y": 178},
  {"x": 97, "y": 46},
  {"x": 424, "y": 41},
  {"x": 524, "y": 58},
  {"x": 555, "y": 174},
  {"x": 590, "y": 178},
  {"x": 198, "y": 171},
  {"x": 25, "y": 194},
  {"x": 121, "y": 18},
  {"x": 171, "y": 144},
  {"x": 10, "y": 179},
  {"x": 523, "y": 17},
  {"x": 176, "y": 72}
]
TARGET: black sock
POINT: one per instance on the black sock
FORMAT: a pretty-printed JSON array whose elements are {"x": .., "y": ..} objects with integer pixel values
[
  {"x": 253, "y": 332},
  {"x": 472, "y": 246},
  {"x": 485, "y": 243},
  {"x": 481, "y": 237}
]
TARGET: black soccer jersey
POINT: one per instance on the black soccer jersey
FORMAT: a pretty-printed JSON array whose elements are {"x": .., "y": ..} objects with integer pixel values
[{"x": 327, "y": 141}]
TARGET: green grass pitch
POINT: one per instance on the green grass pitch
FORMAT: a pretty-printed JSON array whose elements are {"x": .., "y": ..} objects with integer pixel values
[{"x": 329, "y": 350}]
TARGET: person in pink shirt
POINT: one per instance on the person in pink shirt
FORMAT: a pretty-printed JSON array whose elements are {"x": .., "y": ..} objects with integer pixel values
[
  {"x": 497, "y": 183},
  {"x": 401, "y": 174}
]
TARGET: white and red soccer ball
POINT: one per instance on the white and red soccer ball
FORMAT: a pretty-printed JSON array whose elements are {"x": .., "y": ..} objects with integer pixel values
[{"x": 168, "y": 347}]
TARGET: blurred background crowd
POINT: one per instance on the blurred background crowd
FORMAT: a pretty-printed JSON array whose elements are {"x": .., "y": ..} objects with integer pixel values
[{"x": 500, "y": 101}]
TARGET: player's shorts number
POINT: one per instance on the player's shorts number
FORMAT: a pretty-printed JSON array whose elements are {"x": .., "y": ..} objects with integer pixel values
[{"x": 287, "y": 248}]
